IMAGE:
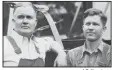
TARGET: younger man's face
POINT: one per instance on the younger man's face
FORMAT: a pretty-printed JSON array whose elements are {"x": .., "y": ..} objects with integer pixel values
[
  {"x": 25, "y": 20},
  {"x": 93, "y": 28}
]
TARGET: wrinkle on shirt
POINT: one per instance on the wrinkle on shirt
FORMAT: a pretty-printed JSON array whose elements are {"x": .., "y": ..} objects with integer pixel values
[
  {"x": 99, "y": 48},
  {"x": 79, "y": 56},
  {"x": 26, "y": 45}
]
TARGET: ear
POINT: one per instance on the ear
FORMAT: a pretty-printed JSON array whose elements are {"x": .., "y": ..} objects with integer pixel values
[{"x": 104, "y": 28}]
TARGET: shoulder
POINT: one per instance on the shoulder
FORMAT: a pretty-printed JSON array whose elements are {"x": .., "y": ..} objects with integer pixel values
[
  {"x": 7, "y": 44},
  {"x": 8, "y": 48},
  {"x": 73, "y": 55},
  {"x": 44, "y": 43},
  {"x": 107, "y": 50},
  {"x": 106, "y": 47},
  {"x": 9, "y": 54},
  {"x": 76, "y": 51},
  {"x": 43, "y": 39}
]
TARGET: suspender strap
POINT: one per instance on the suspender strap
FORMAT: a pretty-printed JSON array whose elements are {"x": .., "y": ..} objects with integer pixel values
[
  {"x": 15, "y": 46},
  {"x": 37, "y": 50}
]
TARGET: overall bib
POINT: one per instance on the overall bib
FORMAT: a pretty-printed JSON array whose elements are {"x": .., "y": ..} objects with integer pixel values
[{"x": 26, "y": 62}]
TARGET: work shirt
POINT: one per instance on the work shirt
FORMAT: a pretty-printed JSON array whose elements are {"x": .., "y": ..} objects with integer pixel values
[
  {"x": 80, "y": 56},
  {"x": 28, "y": 48}
]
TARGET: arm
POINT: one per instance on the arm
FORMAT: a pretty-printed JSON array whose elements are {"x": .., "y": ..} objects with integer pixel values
[
  {"x": 51, "y": 45},
  {"x": 56, "y": 47},
  {"x": 48, "y": 44},
  {"x": 61, "y": 58},
  {"x": 10, "y": 58}
]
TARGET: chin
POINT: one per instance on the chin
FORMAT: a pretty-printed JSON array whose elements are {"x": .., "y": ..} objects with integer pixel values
[
  {"x": 91, "y": 39},
  {"x": 26, "y": 33}
]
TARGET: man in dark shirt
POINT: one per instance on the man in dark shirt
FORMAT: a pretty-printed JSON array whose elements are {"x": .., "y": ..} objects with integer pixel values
[{"x": 94, "y": 52}]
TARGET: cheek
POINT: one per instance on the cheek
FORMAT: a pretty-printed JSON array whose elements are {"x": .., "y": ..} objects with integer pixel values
[
  {"x": 34, "y": 24},
  {"x": 84, "y": 28},
  {"x": 84, "y": 31},
  {"x": 17, "y": 24},
  {"x": 99, "y": 32}
]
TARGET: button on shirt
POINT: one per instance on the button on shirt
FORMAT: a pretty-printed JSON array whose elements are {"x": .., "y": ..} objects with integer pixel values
[
  {"x": 28, "y": 48},
  {"x": 80, "y": 56}
]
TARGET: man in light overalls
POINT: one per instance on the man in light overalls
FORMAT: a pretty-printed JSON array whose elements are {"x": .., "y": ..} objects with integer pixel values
[{"x": 23, "y": 49}]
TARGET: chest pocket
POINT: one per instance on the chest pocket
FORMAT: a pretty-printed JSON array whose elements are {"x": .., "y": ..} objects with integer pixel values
[{"x": 25, "y": 62}]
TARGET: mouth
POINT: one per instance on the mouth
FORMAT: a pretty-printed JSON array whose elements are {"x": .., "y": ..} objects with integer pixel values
[
  {"x": 90, "y": 33},
  {"x": 25, "y": 27}
]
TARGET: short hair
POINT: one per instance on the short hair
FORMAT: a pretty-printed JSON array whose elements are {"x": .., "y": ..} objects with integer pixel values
[
  {"x": 39, "y": 15},
  {"x": 21, "y": 4},
  {"x": 93, "y": 12}
]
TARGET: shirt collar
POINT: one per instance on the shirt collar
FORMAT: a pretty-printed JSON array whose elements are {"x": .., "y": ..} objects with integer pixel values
[
  {"x": 18, "y": 38},
  {"x": 100, "y": 47}
]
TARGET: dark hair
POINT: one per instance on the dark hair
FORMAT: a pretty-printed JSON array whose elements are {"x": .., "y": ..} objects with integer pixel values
[{"x": 92, "y": 12}]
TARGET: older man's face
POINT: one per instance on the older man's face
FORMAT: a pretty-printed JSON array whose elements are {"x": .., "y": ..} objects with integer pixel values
[
  {"x": 93, "y": 28},
  {"x": 25, "y": 20}
]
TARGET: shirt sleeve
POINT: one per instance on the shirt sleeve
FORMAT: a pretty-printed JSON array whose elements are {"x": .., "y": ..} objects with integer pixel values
[
  {"x": 49, "y": 43},
  {"x": 10, "y": 57},
  {"x": 43, "y": 45},
  {"x": 109, "y": 56},
  {"x": 69, "y": 60},
  {"x": 53, "y": 46}
]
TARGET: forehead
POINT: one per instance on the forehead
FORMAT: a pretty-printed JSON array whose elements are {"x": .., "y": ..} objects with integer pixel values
[
  {"x": 24, "y": 11},
  {"x": 95, "y": 18}
]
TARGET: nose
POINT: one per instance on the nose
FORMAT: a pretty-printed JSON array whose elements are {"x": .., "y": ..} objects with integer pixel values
[
  {"x": 25, "y": 21},
  {"x": 91, "y": 26}
]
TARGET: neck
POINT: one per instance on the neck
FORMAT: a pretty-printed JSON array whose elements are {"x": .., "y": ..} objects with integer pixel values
[
  {"x": 28, "y": 35},
  {"x": 91, "y": 46}
]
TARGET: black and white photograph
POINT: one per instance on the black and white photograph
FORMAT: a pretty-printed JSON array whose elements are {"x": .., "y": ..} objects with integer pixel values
[{"x": 57, "y": 34}]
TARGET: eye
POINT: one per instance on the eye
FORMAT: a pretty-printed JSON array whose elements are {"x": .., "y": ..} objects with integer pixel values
[
  {"x": 95, "y": 24},
  {"x": 88, "y": 23},
  {"x": 21, "y": 16},
  {"x": 29, "y": 17}
]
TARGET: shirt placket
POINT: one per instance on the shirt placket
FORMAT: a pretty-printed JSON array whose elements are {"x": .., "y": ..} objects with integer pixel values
[
  {"x": 92, "y": 58},
  {"x": 25, "y": 48}
]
